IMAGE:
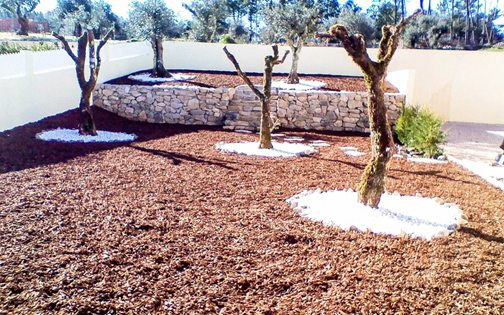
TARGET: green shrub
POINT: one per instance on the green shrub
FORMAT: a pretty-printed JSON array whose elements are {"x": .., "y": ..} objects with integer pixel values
[
  {"x": 9, "y": 48},
  {"x": 419, "y": 129},
  {"x": 44, "y": 46},
  {"x": 227, "y": 39},
  {"x": 14, "y": 48}
]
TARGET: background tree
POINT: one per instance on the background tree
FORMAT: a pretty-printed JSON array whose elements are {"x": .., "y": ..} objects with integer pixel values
[
  {"x": 87, "y": 125},
  {"x": 293, "y": 22},
  {"x": 153, "y": 20},
  {"x": 357, "y": 23},
  {"x": 21, "y": 9},
  {"x": 73, "y": 14},
  {"x": 76, "y": 15},
  {"x": 372, "y": 184},
  {"x": 267, "y": 124},
  {"x": 209, "y": 19},
  {"x": 427, "y": 32}
]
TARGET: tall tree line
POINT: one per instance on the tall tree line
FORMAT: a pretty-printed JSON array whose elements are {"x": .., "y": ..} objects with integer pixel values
[{"x": 450, "y": 24}]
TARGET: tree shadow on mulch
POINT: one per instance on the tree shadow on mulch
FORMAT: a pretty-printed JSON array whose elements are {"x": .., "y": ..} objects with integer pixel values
[
  {"x": 19, "y": 149},
  {"x": 362, "y": 166},
  {"x": 481, "y": 235},
  {"x": 178, "y": 158}
]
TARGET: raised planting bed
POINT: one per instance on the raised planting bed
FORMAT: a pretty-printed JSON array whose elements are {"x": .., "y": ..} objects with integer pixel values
[{"x": 219, "y": 99}]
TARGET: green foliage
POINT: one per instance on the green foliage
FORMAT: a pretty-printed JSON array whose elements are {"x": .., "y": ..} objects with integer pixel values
[
  {"x": 151, "y": 18},
  {"x": 384, "y": 13},
  {"x": 14, "y": 48},
  {"x": 419, "y": 129},
  {"x": 356, "y": 22},
  {"x": 44, "y": 46},
  {"x": 19, "y": 8},
  {"x": 426, "y": 31},
  {"x": 76, "y": 15},
  {"x": 10, "y": 48},
  {"x": 292, "y": 22},
  {"x": 227, "y": 39},
  {"x": 209, "y": 19}
]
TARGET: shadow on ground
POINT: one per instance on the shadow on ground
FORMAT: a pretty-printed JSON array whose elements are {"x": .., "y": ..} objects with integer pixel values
[{"x": 19, "y": 149}]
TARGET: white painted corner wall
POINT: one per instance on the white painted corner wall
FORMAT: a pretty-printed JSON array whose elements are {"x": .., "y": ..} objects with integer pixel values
[
  {"x": 457, "y": 85},
  {"x": 34, "y": 85}
]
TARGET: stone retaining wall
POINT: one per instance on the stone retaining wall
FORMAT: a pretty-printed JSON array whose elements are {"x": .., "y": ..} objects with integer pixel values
[{"x": 239, "y": 108}]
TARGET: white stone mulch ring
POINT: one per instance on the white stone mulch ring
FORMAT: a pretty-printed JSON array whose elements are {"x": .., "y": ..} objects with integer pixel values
[
  {"x": 280, "y": 149},
  {"x": 319, "y": 143},
  {"x": 294, "y": 139},
  {"x": 425, "y": 160},
  {"x": 72, "y": 135},
  {"x": 303, "y": 85},
  {"x": 354, "y": 153},
  {"x": 146, "y": 77},
  {"x": 348, "y": 148},
  {"x": 397, "y": 215}
]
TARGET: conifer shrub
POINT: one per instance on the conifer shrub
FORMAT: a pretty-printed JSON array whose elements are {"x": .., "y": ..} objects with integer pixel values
[{"x": 419, "y": 129}]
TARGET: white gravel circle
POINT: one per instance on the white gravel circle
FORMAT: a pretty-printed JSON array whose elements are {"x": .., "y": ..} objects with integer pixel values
[
  {"x": 303, "y": 85},
  {"x": 397, "y": 215},
  {"x": 146, "y": 77},
  {"x": 72, "y": 135},
  {"x": 280, "y": 149}
]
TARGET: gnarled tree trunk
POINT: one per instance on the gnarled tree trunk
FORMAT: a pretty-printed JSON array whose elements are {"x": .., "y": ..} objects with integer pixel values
[
  {"x": 87, "y": 125},
  {"x": 24, "y": 23},
  {"x": 372, "y": 184},
  {"x": 158, "y": 69},
  {"x": 266, "y": 122},
  {"x": 293, "y": 77}
]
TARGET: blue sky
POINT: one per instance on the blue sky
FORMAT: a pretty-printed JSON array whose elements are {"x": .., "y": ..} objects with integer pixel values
[{"x": 120, "y": 7}]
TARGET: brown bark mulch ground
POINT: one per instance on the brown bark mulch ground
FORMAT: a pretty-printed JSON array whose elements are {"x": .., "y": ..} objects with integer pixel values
[
  {"x": 214, "y": 79},
  {"x": 169, "y": 225}
]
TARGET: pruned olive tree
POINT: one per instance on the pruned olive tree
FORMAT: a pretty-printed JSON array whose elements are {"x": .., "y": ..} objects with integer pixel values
[
  {"x": 86, "y": 41},
  {"x": 21, "y": 9},
  {"x": 372, "y": 184},
  {"x": 153, "y": 20},
  {"x": 267, "y": 124},
  {"x": 293, "y": 22}
]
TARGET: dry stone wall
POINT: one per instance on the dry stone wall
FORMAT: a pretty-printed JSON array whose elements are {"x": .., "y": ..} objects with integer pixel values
[{"x": 239, "y": 109}]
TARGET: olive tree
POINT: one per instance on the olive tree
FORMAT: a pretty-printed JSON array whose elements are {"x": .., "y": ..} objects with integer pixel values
[
  {"x": 209, "y": 19},
  {"x": 78, "y": 15},
  {"x": 293, "y": 22},
  {"x": 372, "y": 183},
  {"x": 87, "y": 125},
  {"x": 21, "y": 9},
  {"x": 267, "y": 124},
  {"x": 153, "y": 20}
]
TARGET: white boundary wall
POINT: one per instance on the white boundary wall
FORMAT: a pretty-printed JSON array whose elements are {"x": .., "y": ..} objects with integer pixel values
[
  {"x": 41, "y": 84},
  {"x": 457, "y": 85}
]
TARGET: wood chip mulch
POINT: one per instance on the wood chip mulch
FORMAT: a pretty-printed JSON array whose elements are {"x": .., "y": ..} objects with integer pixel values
[
  {"x": 169, "y": 225},
  {"x": 214, "y": 79}
]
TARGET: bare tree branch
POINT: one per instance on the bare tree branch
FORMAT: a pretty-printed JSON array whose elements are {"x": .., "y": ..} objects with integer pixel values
[
  {"x": 100, "y": 46},
  {"x": 242, "y": 74},
  {"x": 355, "y": 45},
  {"x": 392, "y": 40},
  {"x": 66, "y": 46},
  {"x": 92, "y": 55}
]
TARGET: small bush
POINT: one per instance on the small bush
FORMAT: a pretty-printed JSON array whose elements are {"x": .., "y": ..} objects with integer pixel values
[
  {"x": 44, "y": 46},
  {"x": 227, "y": 39},
  {"x": 419, "y": 129},
  {"x": 14, "y": 48},
  {"x": 9, "y": 48}
]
